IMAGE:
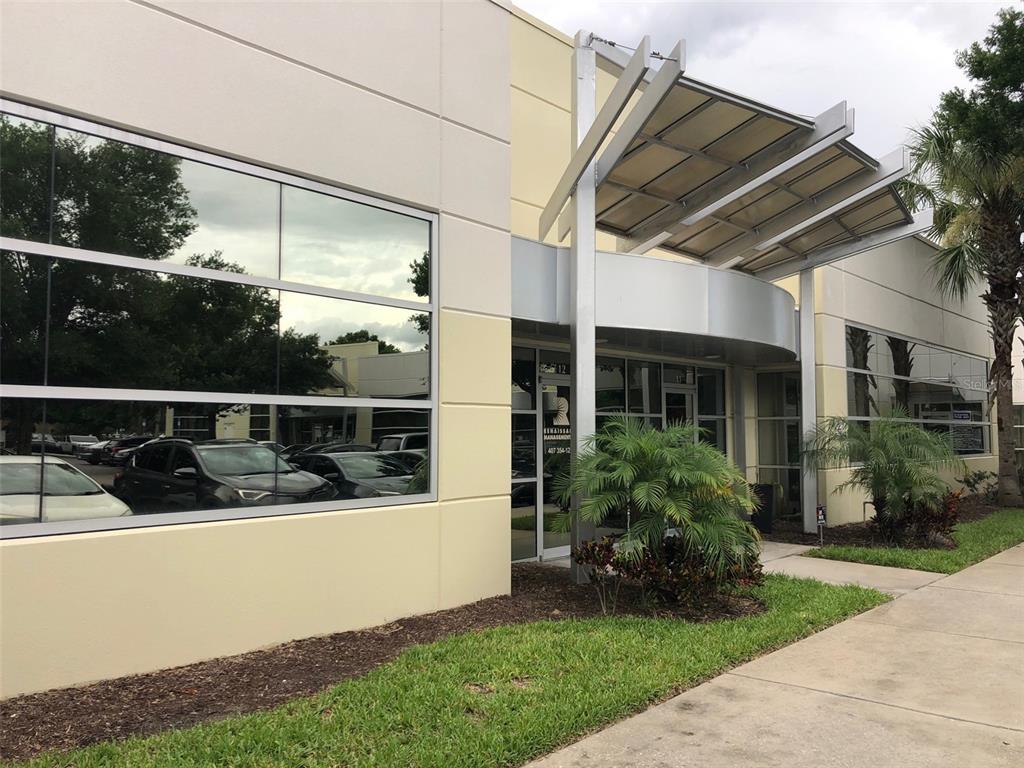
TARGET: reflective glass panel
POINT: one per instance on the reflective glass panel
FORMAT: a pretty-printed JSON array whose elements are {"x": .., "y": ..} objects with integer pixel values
[
  {"x": 679, "y": 374},
  {"x": 341, "y": 244},
  {"x": 22, "y": 317},
  {"x": 127, "y": 328},
  {"x": 524, "y": 520},
  {"x": 610, "y": 384},
  {"x": 778, "y": 394},
  {"x": 24, "y": 437},
  {"x": 778, "y": 442},
  {"x": 144, "y": 458},
  {"x": 524, "y": 379},
  {"x": 644, "y": 387},
  {"x": 25, "y": 152},
  {"x": 367, "y": 350},
  {"x": 524, "y": 445},
  {"x": 134, "y": 201},
  {"x": 711, "y": 392},
  {"x": 713, "y": 431},
  {"x": 786, "y": 483}
]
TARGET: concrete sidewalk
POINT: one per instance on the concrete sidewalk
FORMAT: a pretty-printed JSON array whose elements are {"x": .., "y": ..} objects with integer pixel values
[
  {"x": 781, "y": 558},
  {"x": 934, "y": 678}
]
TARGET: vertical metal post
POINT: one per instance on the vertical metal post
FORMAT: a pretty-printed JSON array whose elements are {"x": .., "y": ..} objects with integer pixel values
[
  {"x": 808, "y": 395},
  {"x": 582, "y": 280}
]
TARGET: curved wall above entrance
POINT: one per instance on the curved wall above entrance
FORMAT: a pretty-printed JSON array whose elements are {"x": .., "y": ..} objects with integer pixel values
[{"x": 741, "y": 318}]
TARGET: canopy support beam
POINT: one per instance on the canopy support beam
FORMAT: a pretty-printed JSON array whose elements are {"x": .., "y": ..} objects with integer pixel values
[
  {"x": 808, "y": 396},
  {"x": 583, "y": 281},
  {"x": 597, "y": 131}
]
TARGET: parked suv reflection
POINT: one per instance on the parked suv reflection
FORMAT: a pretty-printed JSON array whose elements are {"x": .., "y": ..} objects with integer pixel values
[
  {"x": 358, "y": 475},
  {"x": 175, "y": 474}
]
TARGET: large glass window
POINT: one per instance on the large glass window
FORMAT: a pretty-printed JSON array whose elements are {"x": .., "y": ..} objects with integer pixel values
[
  {"x": 943, "y": 391},
  {"x": 137, "y": 265}
]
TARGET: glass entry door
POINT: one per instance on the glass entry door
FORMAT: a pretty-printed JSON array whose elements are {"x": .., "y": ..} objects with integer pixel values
[{"x": 556, "y": 443}]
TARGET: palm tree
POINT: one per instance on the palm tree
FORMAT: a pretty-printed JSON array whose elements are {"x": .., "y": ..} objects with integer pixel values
[
  {"x": 893, "y": 459},
  {"x": 977, "y": 195},
  {"x": 663, "y": 480}
]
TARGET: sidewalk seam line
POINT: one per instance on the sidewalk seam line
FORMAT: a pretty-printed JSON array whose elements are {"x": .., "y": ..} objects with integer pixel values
[
  {"x": 938, "y": 631},
  {"x": 876, "y": 701},
  {"x": 976, "y": 591}
]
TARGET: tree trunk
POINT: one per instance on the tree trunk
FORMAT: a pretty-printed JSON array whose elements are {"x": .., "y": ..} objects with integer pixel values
[{"x": 1003, "y": 302}]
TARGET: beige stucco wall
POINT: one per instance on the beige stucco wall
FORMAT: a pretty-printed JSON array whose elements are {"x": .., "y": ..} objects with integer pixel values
[
  {"x": 418, "y": 112},
  {"x": 889, "y": 288}
]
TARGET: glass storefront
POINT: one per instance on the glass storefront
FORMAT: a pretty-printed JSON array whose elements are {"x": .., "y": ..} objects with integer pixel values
[{"x": 542, "y": 436}]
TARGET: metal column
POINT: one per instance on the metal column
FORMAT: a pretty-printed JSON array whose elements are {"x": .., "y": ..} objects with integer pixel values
[
  {"x": 582, "y": 281},
  {"x": 808, "y": 395}
]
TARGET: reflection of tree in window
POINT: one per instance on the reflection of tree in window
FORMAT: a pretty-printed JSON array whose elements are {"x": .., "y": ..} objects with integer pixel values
[
  {"x": 902, "y": 352},
  {"x": 420, "y": 282},
  {"x": 362, "y": 336},
  {"x": 859, "y": 343},
  {"x": 112, "y": 327}
]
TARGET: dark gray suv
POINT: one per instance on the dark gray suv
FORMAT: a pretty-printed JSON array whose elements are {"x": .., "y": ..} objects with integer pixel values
[{"x": 175, "y": 474}]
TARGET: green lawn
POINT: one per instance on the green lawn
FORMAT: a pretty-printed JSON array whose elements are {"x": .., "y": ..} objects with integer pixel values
[
  {"x": 976, "y": 541},
  {"x": 492, "y": 698}
]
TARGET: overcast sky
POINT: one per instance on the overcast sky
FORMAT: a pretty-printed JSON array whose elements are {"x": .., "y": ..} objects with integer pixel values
[{"x": 890, "y": 61}]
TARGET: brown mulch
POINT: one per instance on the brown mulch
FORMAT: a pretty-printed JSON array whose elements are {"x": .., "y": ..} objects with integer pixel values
[
  {"x": 175, "y": 698},
  {"x": 859, "y": 534}
]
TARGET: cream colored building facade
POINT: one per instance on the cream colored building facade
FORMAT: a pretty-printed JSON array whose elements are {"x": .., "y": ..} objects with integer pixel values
[{"x": 459, "y": 109}]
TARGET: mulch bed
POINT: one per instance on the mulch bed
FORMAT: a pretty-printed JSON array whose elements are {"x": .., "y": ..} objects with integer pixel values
[
  {"x": 859, "y": 534},
  {"x": 176, "y": 698}
]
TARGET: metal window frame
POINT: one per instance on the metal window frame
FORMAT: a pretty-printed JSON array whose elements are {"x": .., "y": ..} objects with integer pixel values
[{"x": 429, "y": 405}]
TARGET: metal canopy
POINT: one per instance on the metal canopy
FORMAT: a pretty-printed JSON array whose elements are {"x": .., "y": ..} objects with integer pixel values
[{"x": 723, "y": 179}]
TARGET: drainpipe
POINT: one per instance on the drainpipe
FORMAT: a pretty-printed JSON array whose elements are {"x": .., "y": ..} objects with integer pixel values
[
  {"x": 582, "y": 280},
  {"x": 808, "y": 396}
]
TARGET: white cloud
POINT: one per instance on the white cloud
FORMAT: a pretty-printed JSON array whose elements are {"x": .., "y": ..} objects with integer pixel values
[{"x": 890, "y": 61}]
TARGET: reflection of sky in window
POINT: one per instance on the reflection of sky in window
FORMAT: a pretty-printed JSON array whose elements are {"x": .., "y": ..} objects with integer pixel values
[
  {"x": 235, "y": 214},
  {"x": 330, "y": 318},
  {"x": 336, "y": 243}
]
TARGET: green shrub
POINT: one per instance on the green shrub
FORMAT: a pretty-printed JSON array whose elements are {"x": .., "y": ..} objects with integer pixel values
[
  {"x": 894, "y": 460},
  {"x": 664, "y": 482}
]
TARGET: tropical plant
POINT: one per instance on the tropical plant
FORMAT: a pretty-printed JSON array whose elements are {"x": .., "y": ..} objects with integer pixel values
[
  {"x": 661, "y": 481},
  {"x": 968, "y": 166},
  {"x": 894, "y": 460}
]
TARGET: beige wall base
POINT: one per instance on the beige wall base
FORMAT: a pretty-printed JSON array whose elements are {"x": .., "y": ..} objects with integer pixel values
[{"x": 86, "y": 607}]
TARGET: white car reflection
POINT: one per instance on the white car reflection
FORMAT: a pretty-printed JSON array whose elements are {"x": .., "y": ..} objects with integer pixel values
[{"x": 70, "y": 494}]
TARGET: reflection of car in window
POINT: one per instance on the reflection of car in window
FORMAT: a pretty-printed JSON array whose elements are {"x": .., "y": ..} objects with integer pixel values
[
  {"x": 69, "y": 494},
  {"x": 119, "y": 450},
  {"x": 409, "y": 459},
  {"x": 405, "y": 441},
  {"x": 81, "y": 445},
  {"x": 359, "y": 475},
  {"x": 174, "y": 474}
]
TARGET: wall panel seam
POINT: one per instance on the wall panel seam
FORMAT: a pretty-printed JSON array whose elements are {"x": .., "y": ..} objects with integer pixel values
[
  {"x": 541, "y": 99},
  {"x": 283, "y": 57},
  {"x": 479, "y": 131},
  {"x": 471, "y": 220}
]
